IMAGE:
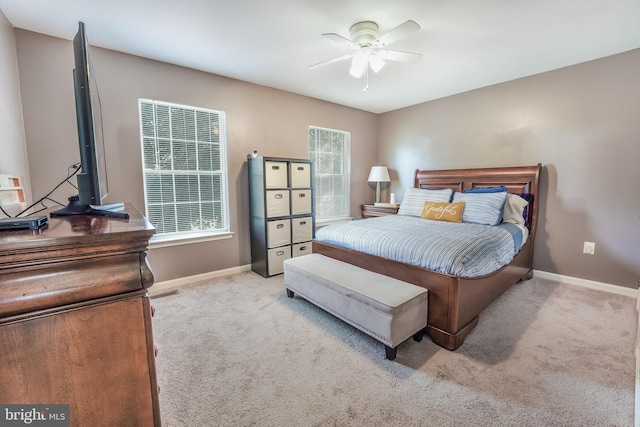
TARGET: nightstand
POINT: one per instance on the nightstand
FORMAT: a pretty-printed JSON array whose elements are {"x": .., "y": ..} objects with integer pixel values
[{"x": 370, "y": 211}]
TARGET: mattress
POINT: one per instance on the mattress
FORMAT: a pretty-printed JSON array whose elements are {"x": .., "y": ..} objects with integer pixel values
[{"x": 460, "y": 249}]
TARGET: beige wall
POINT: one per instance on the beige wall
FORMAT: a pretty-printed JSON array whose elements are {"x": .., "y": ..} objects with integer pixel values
[
  {"x": 272, "y": 121},
  {"x": 581, "y": 122},
  {"x": 13, "y": 158}
]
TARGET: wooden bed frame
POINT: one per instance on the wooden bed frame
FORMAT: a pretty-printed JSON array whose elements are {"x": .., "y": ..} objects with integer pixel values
[{"x": 455, "y": 303}]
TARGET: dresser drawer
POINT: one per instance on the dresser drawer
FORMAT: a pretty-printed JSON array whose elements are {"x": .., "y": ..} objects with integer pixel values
[
  {"x": 300, "y": 175},
  {"x": 275, "y": 174},
  {"x": 276, "y": 258},
  {"x": 301, "y": 202},
  {"x": 278, "y": 233},
  {"x": 301, "y": 229},
  {"x": 277, "y": 203}
]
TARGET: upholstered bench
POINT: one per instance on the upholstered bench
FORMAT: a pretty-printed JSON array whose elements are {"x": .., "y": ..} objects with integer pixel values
[{"x": 385, "y": 308}]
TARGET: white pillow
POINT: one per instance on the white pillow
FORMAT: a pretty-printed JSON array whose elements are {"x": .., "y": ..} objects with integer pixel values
[
  {"x": 514, "y": 209},
  {"x": 412, "y": 202},
  {"x": 481, "y": 208}
]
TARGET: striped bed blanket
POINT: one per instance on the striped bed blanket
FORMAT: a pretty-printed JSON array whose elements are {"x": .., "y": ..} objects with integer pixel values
[{"x": 460, "y": 249}]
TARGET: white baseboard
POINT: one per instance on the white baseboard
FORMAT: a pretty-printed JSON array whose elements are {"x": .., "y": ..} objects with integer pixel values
[
  {"x": 170, "y": 285},
  {"x": 182, "y": 282},
  {"x": 600, "y": 286}
]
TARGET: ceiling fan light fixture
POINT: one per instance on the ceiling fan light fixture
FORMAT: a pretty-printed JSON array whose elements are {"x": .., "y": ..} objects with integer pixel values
[
  {"x": 359, "y": 63},
  {"x": 376, "y": 63}
]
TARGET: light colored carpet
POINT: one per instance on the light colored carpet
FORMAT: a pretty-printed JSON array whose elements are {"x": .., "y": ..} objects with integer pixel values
[{"x": 236, "y": 351}]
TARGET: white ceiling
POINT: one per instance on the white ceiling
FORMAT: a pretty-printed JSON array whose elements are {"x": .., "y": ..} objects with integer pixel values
[{"x": 466, "y": 44}]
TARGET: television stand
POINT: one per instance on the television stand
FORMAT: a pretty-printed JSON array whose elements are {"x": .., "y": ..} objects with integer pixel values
[{"x": 74, "y": 207}]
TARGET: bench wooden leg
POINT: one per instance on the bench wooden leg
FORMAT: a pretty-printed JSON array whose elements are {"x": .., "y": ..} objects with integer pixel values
[
  {"x": 289, "y": 293},
  {"x": 390, "y": 352}
]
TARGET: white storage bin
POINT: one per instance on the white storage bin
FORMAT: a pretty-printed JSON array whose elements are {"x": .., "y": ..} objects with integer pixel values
[
  {"x": 301, "y": 229},
  {"x": 278, "y": 233},
  {"x": 275, "y": 174},
  {"x": 276, "y": 257},
  {"x": 300, "y": 175},
  {"x": 300, "y": 249},
  {"x": 301, "y": 202},
  {"x": 277, "y": 203}
]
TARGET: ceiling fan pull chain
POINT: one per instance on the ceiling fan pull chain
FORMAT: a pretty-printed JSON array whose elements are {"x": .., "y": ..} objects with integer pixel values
[{"x": 366, "y": 79}]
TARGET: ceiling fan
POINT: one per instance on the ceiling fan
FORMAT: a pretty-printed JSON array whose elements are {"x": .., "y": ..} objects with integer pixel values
[{"x": 369, "y": 47}]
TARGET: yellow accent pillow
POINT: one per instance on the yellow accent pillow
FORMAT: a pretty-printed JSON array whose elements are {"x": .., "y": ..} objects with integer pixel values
[{"x": 451, "y": 212}]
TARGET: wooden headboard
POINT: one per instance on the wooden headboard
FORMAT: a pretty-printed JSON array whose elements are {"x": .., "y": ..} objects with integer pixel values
[{"x": 517, "y": 179}]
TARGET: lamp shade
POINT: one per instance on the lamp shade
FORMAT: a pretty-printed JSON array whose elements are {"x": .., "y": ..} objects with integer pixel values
[{"x": 379, "y": 174}]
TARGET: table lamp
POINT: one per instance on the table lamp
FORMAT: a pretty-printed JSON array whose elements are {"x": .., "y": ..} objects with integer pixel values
[{"x": 378, "y": 174}]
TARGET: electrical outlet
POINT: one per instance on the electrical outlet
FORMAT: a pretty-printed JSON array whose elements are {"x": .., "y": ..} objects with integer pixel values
[{"x": 589, "y": 248}]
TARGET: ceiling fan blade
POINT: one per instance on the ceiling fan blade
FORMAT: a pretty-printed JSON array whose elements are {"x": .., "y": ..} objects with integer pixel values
[
  {"x": 339, "y": 39},
  {"x": 331, "y": 61},
  {"x": 396, "y": 55},
  {"x": 396, "y": 33}
]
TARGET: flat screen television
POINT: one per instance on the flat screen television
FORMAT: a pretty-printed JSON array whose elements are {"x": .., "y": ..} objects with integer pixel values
[{"x": 92, "y": 179}]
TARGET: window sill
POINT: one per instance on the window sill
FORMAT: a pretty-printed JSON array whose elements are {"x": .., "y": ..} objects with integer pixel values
[{"x": 186, "y": 239}]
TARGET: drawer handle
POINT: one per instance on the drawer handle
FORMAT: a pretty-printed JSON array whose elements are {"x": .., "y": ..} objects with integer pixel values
[
  {"x": 279, "y": 226},
  {"x": 303, "y": 248},
  {"x": 302, "y": 195},
  {"x": 280, "y": 253},
  {"x": 278, "y": 196},
  {"x": 275, "y": 168},
  {"x": 303, "y": 222},
  {"x": 300, "y": 168}
]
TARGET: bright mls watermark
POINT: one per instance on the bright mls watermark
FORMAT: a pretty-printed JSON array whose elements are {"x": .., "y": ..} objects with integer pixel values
[{"x": 34, "y": 415}]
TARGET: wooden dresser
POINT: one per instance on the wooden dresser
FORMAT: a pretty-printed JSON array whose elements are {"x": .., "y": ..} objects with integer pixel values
[{"x": 75, "y": 319}]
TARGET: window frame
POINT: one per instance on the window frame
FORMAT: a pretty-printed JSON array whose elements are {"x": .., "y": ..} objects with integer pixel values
[
  {"x": 193, "y": 236},
  {"x": 346, "y": 159}
]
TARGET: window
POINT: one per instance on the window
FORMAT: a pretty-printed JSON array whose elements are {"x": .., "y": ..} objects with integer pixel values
[
  {"x": 184, "y": 169},
  {"x": 330, "y": 150}
]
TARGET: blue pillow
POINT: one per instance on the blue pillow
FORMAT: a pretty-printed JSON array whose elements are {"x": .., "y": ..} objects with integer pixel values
[
  {"x": 498, "y": 189},
  {"x": 529, "y": 198},
  {"x": 482, "y": 208}
]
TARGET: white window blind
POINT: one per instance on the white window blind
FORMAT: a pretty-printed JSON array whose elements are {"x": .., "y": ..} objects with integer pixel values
[
  {"x": 184, "y": 168},
  {"x": 331, "y": 152}
]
